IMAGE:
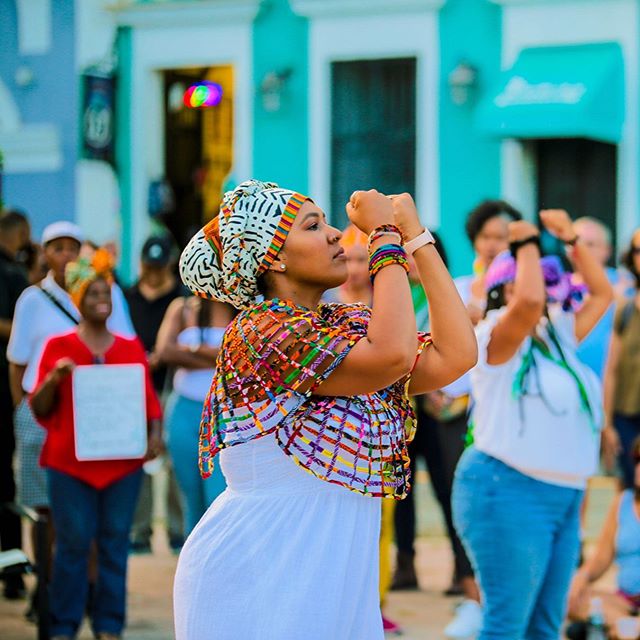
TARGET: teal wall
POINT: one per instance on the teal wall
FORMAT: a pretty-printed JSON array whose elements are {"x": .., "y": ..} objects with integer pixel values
[
  {"x": 124, "y": 160},
  {"x": 280, "y": 147},
  {"x": 470, "y": 30}
]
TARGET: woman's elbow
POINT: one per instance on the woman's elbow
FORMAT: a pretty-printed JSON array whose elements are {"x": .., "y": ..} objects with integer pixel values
[
  {"x": 532, "y": 301},
  {"x": 164, "y": 354},
  {"x": 529, "y": 308},
  {"x": 38, "y": 409},
  {"x": 469, "y": 355},
  {"x": 399, "y": 363},
  {"x": 465, "y": 359}
]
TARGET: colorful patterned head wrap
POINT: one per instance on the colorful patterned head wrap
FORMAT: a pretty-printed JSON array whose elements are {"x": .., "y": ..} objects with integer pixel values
[
  {"x": 559, "y": 283},
  {"x": 81, "y": 273},
  {"x": 353, "y": 237},
  {"x": 224, "y": 260}
]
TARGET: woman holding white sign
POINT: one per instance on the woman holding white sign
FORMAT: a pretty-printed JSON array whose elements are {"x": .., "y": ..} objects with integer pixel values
[{"x": 97, "y": 421}]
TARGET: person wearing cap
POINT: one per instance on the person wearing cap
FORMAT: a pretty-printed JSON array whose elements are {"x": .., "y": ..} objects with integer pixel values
[
  {"x": 42, "y": 311},
  {"x": 310, "y": 413},
  {"x": 536, "y": 426},
  {"x": 148, "y": 300},
  {"x": 92, "y": 501}
]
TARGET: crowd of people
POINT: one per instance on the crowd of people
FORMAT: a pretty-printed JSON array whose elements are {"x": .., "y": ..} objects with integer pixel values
[{"x": 354, "y": 355}]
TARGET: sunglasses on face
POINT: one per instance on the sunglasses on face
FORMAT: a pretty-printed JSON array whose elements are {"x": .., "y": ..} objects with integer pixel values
[{"x": 635, "y": 251}]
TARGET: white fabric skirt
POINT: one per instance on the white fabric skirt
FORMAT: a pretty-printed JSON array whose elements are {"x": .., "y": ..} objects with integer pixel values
[{"x": 280, "y": 555}]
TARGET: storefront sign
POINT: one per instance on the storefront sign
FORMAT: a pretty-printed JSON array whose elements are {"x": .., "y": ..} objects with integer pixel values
[
  {"x": 519, "y": 91},
  {"x": 98, "y": 117}
]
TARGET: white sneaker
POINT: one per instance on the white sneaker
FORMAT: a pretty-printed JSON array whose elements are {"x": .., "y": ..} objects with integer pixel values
[{"x": 467, "y": 622}]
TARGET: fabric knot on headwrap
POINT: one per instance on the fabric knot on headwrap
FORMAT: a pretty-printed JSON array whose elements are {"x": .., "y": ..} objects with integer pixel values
[
  {"x": 560, "y": 285},
  {"x": 80, "y": 274},
  {"x": 224, "y": 260}
]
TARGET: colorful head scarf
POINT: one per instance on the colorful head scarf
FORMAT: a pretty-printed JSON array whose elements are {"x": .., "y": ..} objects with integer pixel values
[
  {"x": 81, "y": 273},
  {"x": 224, "y": 260},
  {"x": 559, "y": 283},
  {"x": 353, "y": 237}
]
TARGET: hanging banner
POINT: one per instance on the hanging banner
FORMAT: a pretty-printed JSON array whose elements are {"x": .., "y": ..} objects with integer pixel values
[{"x": 98, "y": 116}]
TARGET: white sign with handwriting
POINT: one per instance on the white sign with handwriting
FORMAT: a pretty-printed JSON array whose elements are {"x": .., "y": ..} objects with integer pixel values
[{"x": 109, "y": 412}]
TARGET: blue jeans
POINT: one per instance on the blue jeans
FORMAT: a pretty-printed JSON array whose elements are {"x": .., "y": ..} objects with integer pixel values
[
  {"x": 183, "y": 426},
  {"x": 522, "y": 536},
  {"x": 82, "y": 514},
  {"x": 628, "y": 428}
]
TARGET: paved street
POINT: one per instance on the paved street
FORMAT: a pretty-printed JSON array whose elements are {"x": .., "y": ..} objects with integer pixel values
[{"x": 423, "y": 614}]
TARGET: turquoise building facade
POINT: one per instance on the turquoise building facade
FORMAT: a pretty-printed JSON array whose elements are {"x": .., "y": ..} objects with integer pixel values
[
  {"x": 295, "y": 44},
  {"x": 534, "y": 101}
]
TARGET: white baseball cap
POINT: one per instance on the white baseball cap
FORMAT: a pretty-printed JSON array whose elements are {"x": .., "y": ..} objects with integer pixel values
[{"x": 62, "y": 229}]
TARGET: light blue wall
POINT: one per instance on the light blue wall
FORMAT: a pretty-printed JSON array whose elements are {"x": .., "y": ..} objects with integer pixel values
[
  {"x": 53, "y": 97},
  {"x": 280, "y": 148},
  {"x": 469, "y": 163}
]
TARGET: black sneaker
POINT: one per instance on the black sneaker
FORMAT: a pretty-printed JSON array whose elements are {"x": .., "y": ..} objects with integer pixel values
[
  {"x": 454, "y": 590},
  {"x": 175, "y": 544},
  {"x": 405, "y": 577},
  {"x": 14, "y": 588},
  {"x": 576, "y": 631},
  {"x": 140, "y": 548}
]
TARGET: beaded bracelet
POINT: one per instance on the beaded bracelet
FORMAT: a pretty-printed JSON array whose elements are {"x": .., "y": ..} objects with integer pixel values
[
  {"x": 384, "y": 230},
  {"x": 386, "y": 255}
]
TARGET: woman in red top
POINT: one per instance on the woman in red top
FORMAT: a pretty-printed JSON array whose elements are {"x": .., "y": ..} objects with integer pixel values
[{"x": 90, "y": 500}]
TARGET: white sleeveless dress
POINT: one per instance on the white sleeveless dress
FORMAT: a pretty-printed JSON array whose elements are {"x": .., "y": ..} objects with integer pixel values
[{"x": 279, "y": 555}]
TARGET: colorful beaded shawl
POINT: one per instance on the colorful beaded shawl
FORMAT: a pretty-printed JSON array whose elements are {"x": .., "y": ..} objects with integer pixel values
[{"x": 273, "y": 357}]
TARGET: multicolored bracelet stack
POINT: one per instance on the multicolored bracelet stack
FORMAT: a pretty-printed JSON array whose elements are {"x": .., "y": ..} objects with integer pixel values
[
  {"x": 384, "y": 230},
  {"x": 386, "y": 255}
]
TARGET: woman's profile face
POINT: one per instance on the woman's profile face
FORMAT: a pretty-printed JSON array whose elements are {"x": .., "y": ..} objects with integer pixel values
[
  {"x": 492, "y": 239},
  {"x": 312, "y": 253}
]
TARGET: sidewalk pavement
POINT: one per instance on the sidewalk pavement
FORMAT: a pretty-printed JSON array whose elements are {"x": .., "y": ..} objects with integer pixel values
[{"x": 422, "y": 614}]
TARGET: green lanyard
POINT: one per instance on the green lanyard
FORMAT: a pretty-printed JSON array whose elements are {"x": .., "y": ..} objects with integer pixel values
[{"x": 518, "y": 388}]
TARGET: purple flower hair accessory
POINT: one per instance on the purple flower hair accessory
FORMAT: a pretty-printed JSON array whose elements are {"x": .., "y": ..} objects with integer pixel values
[{"x": 560, "y": 285}]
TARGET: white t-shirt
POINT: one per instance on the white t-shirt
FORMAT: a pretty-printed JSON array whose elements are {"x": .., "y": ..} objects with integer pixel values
[
  {"x": 194, "y": 384},
  {"x": 461, "y": 386},
  {"x": 37, "y": 318},
  {"x": 546, "y": 433}
]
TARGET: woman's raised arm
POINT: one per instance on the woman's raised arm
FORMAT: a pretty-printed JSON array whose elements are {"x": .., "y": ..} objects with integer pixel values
[
  {"x": 454, "y": 350},
  {"x": 388, "y": 351}
]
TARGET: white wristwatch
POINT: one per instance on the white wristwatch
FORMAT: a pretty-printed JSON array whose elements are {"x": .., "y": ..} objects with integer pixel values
[{"x": 419, "y": 241}]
